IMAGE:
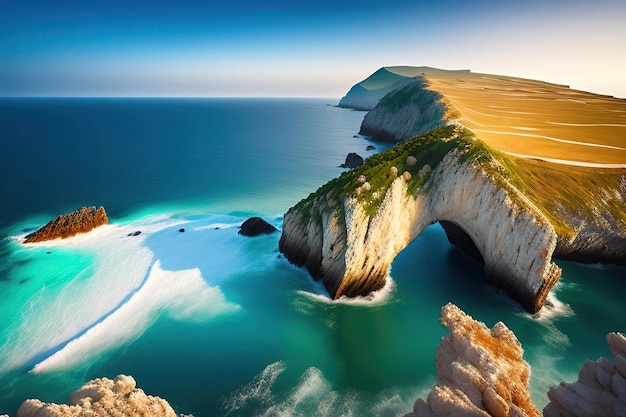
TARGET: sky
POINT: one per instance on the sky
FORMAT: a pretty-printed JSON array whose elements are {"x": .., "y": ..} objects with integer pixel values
[{"x": 308, "y": 48}]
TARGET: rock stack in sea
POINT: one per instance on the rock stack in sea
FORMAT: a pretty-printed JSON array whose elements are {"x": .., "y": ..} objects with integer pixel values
[
  {"x": 600, "y": 390},
  {"x": 66, "y": 225},
  {"x": 102, "y": 397},
  {"x": 480, "y": 372}
]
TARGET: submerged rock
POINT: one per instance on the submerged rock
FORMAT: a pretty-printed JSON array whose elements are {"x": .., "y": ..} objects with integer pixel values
[
  {"x": 255, "y": 226},
  {"x": 480, "y": 372},
  {"x": 353, "y": 160},
  {"x": 66, "y": 225},
  {"x": 102, "y": 397}
]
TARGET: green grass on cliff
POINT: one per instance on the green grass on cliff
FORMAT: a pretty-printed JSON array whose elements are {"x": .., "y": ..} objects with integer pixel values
[
  {"x": 428, "y": 149},
  {"x": 568, "y": 194},
  {"x": 564, "y": 194}
]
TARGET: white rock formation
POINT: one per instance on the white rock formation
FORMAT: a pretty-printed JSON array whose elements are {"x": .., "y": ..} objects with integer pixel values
[
  {"x": 102, "y": 397},
  {"x": 480, "y": 372},
  {"x": 600, "y": 390},
  {"x": 339, "y": 243}
]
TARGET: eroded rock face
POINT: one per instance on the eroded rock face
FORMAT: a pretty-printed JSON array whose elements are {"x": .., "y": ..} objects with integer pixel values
[
  {"x": 600, "y": 390},
  {"x": 408, "y": 111},
  {"x": 66, "y": 225},
  {"x": 351, "y": 250},
  {"x": 102, "y": 397},
  {"x": 480, "y": 372}
]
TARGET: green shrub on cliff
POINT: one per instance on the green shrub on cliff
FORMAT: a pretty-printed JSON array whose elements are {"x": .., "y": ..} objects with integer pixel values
[{"x": 379, "y": 172}]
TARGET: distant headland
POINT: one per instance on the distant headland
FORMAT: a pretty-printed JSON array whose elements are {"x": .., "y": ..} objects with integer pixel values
[{"x": 517, "y": 172}]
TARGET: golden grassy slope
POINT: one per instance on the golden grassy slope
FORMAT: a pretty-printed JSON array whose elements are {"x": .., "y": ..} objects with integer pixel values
[{"x": 536, "y": 119}]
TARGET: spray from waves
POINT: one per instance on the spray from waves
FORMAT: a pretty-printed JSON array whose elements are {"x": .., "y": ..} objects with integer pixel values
[
  {"x": 553, "y": 308},
  {"x": 183, "y": 295},
  {"x": 374, "y": 299},
  {"x": 256, "y": 392},
  {"x": 313, "y": 395}
]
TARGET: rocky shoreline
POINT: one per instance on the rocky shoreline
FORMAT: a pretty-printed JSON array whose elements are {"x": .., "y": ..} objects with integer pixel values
[
  {"x": 348, "y": 232},
  {"x": 67, "y": 225},
  {"x": 480, "y": 372}
]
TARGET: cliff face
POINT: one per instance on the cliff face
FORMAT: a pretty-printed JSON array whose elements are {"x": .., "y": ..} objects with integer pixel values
[
  {"x": 366, "y": 94},
  {"x": 82, "y": 220},
  {"x": 348, "y": 233},
  {"x": 600, "y": 389},
  {"x": 409, "y": 110},
  {"x": 102, "y": 397},
  {"x": 480, "y": 372}
]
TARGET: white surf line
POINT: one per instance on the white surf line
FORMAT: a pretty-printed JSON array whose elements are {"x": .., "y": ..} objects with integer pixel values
[
  {"x": 588, "y": 124},
  {"x": 568, "y": 162},
  {"x": 571, "y": 142}
]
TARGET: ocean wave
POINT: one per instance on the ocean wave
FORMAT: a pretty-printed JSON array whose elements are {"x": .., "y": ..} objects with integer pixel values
[
  {"x": 374, "y": 299},
  {"x": 313, "y": 395},
  {"x": 182, "y": 295},
  {"x": 58, "y": 280}
]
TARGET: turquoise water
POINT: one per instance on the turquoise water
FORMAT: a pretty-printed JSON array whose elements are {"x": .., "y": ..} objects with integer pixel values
[{"x": 217, "y": 323}]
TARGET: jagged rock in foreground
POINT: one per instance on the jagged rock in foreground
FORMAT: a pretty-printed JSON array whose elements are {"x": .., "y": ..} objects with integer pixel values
[
  {"x": 102, "y": 397},
  {"x": 600, "y": 390},
  {"x": 66, "y": 225},
  {"x": 480, "y": 372}
]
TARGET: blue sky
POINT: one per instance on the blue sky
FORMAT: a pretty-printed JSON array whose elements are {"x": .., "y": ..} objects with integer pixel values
[{"x": 299, "y": 48}]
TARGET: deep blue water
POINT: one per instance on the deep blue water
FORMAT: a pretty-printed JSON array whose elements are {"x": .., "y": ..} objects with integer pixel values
[{"x": 217, "y": 323}]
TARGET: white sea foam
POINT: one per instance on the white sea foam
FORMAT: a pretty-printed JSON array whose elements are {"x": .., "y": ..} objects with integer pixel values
[
  {"x": 257, "y": 390},
  {"x": 182, "y": 295},
  {"x": 314, "y": 395},
  {"x": 53, "y": 313},
  {"x": 70, "y": 309},
  {"x": 374, "y": 299},
  {"x": 553, "y": 308}
]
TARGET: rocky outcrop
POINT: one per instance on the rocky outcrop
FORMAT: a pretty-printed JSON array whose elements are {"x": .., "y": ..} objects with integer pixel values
[
  {"x": 409, "y": 110},
  {"x": 353, "y": 160},
  {"x": 480, "y": 372},
  {"x": 82, "y": 220},
  {"x": 600, "y": 390},
  {"x": 255, "y": 226},
  {"x": 348, "y": 232},
  {"x": 102, "y": 397}
]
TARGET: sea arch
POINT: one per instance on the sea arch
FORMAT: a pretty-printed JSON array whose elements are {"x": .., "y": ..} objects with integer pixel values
[{"x": 350, "y": 250}]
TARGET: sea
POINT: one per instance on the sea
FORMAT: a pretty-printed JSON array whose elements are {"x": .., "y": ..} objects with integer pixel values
[{"x": 221, "y": 324}]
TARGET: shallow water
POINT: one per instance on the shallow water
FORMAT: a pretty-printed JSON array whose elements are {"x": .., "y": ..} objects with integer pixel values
[{"x": 215, "y": 322}]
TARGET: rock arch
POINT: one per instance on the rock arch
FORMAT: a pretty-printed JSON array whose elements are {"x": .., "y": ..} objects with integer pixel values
[
  {"x": 460, "y": 238},
  {"x": 351, "y": 252}
]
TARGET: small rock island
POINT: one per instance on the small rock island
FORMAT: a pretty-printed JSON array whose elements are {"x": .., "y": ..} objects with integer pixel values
[{"x": 67, "y": 225}]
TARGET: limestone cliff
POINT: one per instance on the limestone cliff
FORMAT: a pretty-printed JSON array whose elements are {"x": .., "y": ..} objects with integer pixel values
[
  {"x": 102, "y": 397},
  {"x": 410, "y": 109},
  {"x": 480, "y": 372},
  {"x": 66, "y": 225},
  {"x": 600, "y": 390},
  {"x": 350, "y": 230},
  {"x": 505, "y": 191}
]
